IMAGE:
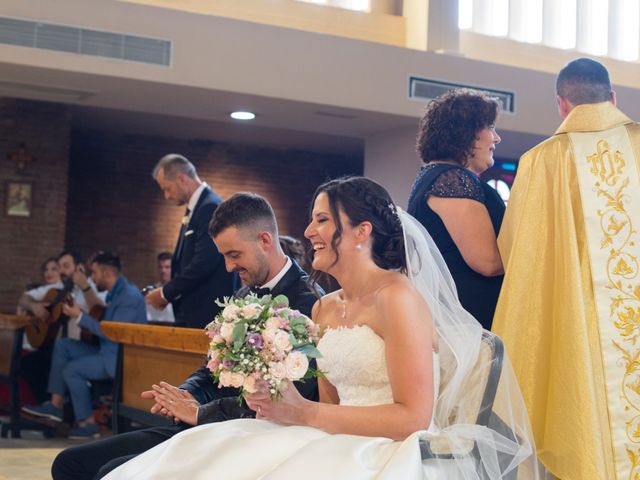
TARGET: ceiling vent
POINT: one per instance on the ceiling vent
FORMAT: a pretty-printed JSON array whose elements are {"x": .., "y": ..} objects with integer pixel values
[
  {"x": 62, "y": 38},
  {"x": 426, "y": 89}
]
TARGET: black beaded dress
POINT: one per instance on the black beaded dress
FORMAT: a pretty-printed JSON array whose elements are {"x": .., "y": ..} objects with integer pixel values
[{"x": 478, "y": 294}]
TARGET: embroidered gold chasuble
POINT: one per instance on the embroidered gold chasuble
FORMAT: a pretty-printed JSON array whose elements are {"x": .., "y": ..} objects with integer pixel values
[{"x": 569, "y": 309}]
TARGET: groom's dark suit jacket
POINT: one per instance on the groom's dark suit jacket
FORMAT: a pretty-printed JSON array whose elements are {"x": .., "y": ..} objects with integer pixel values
[
  {"x": 199, "y": 276},
  {"x": 94, "y": 460}
]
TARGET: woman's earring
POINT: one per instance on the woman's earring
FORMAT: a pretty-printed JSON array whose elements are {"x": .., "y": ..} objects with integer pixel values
[{"x": 359, "y": 246}]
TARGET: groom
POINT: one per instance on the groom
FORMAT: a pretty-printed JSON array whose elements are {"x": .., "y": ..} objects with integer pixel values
[{"x": 245, "y": 232}]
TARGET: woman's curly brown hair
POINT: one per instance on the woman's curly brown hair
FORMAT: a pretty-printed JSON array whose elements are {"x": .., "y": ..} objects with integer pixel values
[{"x": 450, "y": 123}]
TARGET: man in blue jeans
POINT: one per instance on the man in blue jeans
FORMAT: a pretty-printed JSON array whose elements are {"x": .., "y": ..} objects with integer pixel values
[{"x": 74, "y": 362}]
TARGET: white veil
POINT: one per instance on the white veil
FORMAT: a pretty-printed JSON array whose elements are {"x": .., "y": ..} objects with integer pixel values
[{"x": 478, "y": 435}]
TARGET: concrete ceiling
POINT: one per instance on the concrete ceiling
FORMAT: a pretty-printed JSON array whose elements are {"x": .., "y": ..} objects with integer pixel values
[{"x": 148, "y": 108}]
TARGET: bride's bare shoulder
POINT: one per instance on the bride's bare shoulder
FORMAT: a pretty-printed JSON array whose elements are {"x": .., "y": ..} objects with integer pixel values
[{"x": 324, "y": 308}]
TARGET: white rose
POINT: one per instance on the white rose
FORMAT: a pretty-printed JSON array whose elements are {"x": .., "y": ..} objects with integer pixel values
[
  {"x": 251, "y": 311},
  {"x": 226, "y": 331},
  {"x": 230, "y": 312},
  {"x": 297, "y": 365},
  {"x": 281, "y": 341},
  {"x": 236, "y": 379},
  {"x": 277, "y": 370}
]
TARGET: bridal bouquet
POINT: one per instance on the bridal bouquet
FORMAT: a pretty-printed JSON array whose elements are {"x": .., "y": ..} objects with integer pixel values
[{"x": 260, "y": 339}]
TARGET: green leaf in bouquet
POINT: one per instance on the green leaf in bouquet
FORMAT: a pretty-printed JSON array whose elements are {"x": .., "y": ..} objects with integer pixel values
[
  {"x": 281, "y": 300},
  {"x": 301, "y": 329},
  {"x": 239, "y": 332},
  {"x": 313, "y": 373},
  {"x": 309, "y": 350}
]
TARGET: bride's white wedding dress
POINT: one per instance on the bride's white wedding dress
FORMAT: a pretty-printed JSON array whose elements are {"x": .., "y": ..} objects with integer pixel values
[{"x": 354, "y": 362}]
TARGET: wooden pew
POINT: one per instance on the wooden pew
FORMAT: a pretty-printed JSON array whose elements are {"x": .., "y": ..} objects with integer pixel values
[
  {"x": 11, "y": 335},
  {"x": 148, "y": 354}
]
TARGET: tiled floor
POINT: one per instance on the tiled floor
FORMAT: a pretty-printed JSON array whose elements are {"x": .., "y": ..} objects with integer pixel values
[{"x": 29, "y": 457}]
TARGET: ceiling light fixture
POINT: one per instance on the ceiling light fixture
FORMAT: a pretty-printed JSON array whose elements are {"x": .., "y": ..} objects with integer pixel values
[{"x": 242, "y": 115}]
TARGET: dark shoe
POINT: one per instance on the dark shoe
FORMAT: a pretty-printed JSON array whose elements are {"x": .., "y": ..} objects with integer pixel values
[
  {"x": 90, "y": 430},
  {"x": 46, "y": 410}
]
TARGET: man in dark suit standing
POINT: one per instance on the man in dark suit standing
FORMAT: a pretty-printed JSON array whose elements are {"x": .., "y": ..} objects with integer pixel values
[
  {"x": 197, "y": 268},
  {"x": 245, "y": 230}
]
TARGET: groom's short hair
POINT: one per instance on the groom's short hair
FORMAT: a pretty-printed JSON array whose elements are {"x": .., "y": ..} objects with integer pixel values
[{"x": 244, "y": 210}]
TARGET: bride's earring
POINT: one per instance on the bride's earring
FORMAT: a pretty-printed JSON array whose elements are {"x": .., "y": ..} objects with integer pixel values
[{"x": 359, "y": 246}]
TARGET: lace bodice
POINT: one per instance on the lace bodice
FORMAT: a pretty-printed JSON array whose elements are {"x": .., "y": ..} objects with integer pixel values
[{"x": 353, "y": 360}]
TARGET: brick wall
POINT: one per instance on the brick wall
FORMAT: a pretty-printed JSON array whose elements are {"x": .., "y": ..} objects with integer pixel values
[
  {"x": 27, "y": 241},
  {"x": 115, "y": 204}
]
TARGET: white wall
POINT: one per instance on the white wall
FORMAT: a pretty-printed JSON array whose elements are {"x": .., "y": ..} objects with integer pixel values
[{"x": 391, "y": 160}]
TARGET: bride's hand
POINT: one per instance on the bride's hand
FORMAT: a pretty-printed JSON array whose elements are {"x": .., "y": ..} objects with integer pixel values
[
  {"x": 179, "y": 403},
  {"x": 291, "y": 409}
]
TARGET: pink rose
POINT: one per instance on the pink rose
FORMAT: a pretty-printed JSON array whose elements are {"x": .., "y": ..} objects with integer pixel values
[
  {"x": 251, "y": 311},
  {"x": 213, "y": 364},
  {"x": 236, "y": 379},
  {"x": 226, "y": 331},
  {"x": 225, "y": 378},
  {"x": 230, "y": 312},
  {"x": 273, "y": 323},
  {"x": 296, "y": 365},
  {"x": 269, "y": 334},
  {"x": 250, "y": 384}
]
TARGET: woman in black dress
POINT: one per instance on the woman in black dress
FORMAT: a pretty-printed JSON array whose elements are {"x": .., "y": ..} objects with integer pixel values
[{"x": 456, "y": 140}]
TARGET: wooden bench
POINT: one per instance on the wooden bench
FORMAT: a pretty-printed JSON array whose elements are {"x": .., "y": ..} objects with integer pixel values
[
  {"x": 149, "y": 354},
  {"x": 11, "y": 335}
]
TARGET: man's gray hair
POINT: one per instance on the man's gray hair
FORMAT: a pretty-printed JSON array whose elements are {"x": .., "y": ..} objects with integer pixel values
[
  {"x": 173, "y": 164},
  {"x": 584, "y": 81}
]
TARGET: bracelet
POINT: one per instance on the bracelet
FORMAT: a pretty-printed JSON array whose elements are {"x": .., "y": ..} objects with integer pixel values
[{"x": 87, "y": 289}]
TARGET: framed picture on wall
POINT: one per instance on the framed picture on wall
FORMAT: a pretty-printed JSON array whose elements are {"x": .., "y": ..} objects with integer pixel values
[{"x": 19, "y": 199}]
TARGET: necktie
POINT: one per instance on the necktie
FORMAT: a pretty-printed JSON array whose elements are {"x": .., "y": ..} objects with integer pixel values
[{"x": 183, "y": 229}]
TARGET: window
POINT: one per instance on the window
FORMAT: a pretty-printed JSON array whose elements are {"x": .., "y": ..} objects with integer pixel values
[
  {"x": 596, "y": 27},
  {"x": 358, "y": 5}
]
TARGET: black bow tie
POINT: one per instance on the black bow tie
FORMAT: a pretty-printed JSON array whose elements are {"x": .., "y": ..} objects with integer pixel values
[{"x": 260, "y": 291}]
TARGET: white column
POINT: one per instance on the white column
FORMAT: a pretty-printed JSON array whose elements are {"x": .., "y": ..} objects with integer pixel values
[
  {"x": 624, "y": 29},
  {"x": 593, "y": 26},
  {"x": 525, "y": 20},
  {"x": 442, "y": 29},
  {"x": 559, "y": 23}
]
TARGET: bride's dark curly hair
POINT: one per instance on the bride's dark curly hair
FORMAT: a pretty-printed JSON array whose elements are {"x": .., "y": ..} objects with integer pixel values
[
  {"x": 363, "y": 200},
  {"x": 450, "y": 123}
]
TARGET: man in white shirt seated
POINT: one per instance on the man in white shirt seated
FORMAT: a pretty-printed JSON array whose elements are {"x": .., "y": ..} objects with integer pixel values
[{"x": 164, "y": 276}]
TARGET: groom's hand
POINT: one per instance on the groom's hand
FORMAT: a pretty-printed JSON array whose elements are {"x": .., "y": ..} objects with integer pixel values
[
  {"x": 179, "y": 404},
  {"x": 157, "y": 408}
]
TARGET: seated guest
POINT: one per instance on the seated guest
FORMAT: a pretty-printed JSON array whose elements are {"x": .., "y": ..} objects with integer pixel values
[
  {"x": 456, "y": 141},
  {"x": 164, "y": 276},
  {"x": 74, "y": 363},
  {"x": 50, "y": 276},
  {"x": 292, "y": 247},
  {"x": 246, "y": 233},
  {"x": 35, "y": 366},
  {"x": 83, "y": 290}
]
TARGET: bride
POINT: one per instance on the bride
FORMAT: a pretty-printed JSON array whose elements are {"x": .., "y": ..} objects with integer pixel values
[{"x": 392, "y": 331}]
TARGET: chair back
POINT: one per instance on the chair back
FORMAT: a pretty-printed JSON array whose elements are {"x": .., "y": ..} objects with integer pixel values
[{"x": 480, "y": 391}]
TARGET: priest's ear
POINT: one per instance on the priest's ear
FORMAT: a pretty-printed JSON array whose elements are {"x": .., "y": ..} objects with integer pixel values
[
  {"x": 564, "y": 106},
  {"x": 613, "y": 100}
]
